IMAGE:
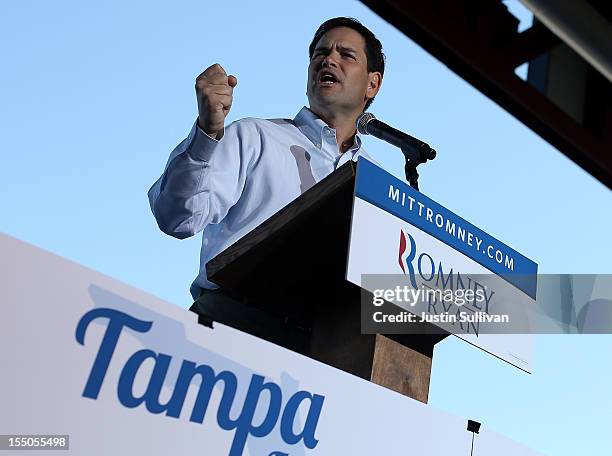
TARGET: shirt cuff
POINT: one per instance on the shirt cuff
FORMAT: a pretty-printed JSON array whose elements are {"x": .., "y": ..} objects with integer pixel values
[{"x": 201, "y": 146}]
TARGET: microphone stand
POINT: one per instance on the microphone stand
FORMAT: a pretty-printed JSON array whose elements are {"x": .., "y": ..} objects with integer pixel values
[
  {"x": 412, "y": 176},
  {"x": 414, "y": 157}
]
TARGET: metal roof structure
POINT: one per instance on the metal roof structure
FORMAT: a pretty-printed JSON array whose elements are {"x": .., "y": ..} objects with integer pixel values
[{"x": 567, "y": 97}]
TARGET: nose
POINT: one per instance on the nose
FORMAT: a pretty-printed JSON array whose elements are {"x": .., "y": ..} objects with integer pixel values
[{"x": 328, "y": 61}]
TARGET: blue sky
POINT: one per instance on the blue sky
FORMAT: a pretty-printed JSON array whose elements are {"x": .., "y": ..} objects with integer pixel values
[{"x": 96, "y": 94}]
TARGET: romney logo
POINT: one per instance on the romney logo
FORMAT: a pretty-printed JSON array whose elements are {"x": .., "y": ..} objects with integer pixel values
[{"x": 406, "y": 259}]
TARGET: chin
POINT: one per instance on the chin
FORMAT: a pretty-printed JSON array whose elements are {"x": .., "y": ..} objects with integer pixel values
[{"x": 327, "y": 98}]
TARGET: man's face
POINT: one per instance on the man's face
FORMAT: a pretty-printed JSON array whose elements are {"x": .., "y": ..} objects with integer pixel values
[{"x": 338, "y": 78}]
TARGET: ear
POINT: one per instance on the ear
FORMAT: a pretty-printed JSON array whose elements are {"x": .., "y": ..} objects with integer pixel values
[{"x": 374, "y": 82}]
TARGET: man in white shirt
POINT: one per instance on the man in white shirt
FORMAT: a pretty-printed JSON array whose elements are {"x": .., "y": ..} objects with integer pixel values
[{"x": 205, "y": 186}]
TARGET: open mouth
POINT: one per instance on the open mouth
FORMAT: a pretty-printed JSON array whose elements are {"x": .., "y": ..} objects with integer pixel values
[{"x": 327, "y": 79}]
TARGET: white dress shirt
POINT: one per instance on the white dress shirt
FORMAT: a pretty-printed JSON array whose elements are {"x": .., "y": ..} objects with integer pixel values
[{"x": 226, "y": 188}]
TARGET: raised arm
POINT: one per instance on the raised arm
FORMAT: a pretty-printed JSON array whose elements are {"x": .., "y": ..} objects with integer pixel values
[{"x": 205, "y": 174}]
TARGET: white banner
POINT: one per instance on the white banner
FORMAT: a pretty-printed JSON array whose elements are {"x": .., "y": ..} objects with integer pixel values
[{"x": 122, "y": 373}]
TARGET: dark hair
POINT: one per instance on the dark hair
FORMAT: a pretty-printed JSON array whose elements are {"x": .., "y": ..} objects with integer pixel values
[{"x": 373, "y": 47}]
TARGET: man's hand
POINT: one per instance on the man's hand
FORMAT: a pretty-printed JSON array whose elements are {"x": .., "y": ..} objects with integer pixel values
[{"x": 214, "y": 90}]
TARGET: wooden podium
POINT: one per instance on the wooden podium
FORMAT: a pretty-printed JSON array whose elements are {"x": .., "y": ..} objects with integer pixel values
[{"x": 294, "y": 264}]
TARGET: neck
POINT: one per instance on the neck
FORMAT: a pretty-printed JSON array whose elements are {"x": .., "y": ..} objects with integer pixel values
[{"x": 343, "y": 124}]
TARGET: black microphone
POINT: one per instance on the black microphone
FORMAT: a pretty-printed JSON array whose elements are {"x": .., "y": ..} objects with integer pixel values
[{"x": 367, "y": 124}]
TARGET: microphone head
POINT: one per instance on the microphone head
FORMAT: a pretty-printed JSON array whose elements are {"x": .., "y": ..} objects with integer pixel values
[{"x": 362, "y": 122}]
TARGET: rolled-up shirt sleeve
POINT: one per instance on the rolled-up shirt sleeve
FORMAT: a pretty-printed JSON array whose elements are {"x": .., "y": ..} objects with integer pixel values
[{"x": 203, "y": 179}]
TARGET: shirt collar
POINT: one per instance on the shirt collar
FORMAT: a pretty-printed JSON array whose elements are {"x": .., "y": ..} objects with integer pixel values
[{"x": 312, "y": 127}]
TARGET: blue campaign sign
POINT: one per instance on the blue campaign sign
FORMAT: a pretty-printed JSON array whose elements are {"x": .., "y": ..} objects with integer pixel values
[{"x": 394, "y": 196}]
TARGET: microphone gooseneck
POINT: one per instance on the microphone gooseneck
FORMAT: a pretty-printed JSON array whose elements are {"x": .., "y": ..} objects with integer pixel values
[
  {"x": 368, "y": 124},
  {"x": 415, "y": 151}
]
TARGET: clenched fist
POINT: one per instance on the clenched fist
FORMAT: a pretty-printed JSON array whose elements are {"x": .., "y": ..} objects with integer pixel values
[{"x": 214, "y": 90}]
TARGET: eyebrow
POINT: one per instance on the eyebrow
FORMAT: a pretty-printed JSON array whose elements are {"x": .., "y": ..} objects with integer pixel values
[
  {"x": 340, "y": 48},
  {"x": 347, "y": 49}
]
